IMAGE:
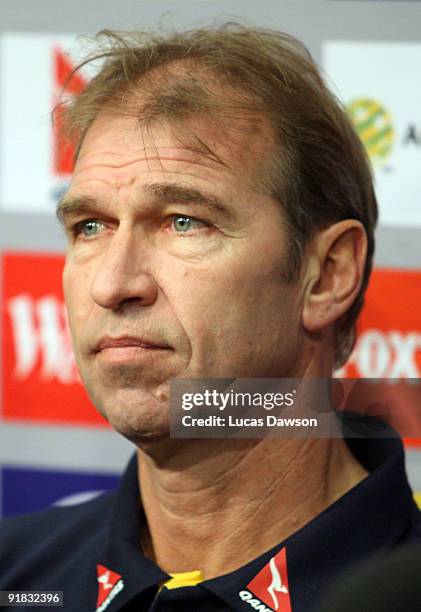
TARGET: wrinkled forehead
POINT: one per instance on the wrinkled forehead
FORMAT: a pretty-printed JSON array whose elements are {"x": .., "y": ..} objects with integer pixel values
[{"x": 240, "y": 145}]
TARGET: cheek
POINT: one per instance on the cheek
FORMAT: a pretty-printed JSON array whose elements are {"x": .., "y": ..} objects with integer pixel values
[
  {"x": 76, "y": 294},
  {"x": 235, "y": 304}
]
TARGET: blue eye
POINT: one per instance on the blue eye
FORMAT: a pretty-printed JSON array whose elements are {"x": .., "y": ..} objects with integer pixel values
[
  {"x": 90, "y": 228},
  {"x": 182, "y": 223}
]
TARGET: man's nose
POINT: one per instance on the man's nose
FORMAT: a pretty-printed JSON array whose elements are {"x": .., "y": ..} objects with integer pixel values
[{"x": 123, "y": 274}]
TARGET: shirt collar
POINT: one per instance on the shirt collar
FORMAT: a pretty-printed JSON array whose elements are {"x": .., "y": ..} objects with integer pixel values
[
  {"x": 373, "y": 515},
  {"x": 121, "y": 552}
]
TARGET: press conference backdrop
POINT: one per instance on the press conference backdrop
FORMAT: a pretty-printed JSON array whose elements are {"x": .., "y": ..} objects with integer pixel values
[{"x": 54, "y": 447}]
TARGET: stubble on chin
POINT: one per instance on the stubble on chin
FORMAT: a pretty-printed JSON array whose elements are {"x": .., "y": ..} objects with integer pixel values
[
  {"x": 140, "y": 418},
  {"x": 135, "y": 403}
]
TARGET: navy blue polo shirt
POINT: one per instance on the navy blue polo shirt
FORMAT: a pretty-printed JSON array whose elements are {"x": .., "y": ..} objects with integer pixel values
[{"x": 91, "y": 551}]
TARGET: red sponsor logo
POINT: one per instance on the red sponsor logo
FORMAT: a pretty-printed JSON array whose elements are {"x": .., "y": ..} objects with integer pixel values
[
  {"x": 40, "y": 377},
  {"x": 391, "y": 354},
  {"x": 389, "y": 329},
  {"x": 109, "y": 585},
  {"x": 270, "y": 586}
]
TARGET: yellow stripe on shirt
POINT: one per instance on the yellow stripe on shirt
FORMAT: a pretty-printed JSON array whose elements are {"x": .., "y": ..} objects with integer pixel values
[{"x": 184, "y": 579}]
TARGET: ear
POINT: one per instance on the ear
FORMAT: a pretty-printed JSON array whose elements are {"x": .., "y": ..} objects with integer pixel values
[{"x": 335, "y": 268}]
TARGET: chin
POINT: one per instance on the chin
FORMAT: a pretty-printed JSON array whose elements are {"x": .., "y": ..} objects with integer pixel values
[{"x": 139, "y": 417}]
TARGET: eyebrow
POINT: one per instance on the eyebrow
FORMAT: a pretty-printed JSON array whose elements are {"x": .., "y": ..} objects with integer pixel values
[
  {"x": 77, "y": 205},
  {"x": 170, "y": 193}
]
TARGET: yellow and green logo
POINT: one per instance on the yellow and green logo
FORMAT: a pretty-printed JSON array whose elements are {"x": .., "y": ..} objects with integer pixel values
[{"x": 374, "y": 125}]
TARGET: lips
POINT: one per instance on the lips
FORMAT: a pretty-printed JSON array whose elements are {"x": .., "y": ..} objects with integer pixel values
[{"x": 129, "y": 341}]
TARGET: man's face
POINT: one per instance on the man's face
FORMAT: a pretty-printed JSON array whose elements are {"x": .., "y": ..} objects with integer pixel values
[{"x": 174, "y": 269}]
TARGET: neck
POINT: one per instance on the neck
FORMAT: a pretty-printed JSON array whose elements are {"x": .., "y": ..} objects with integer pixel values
[{"x": 215, "y": 505}]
